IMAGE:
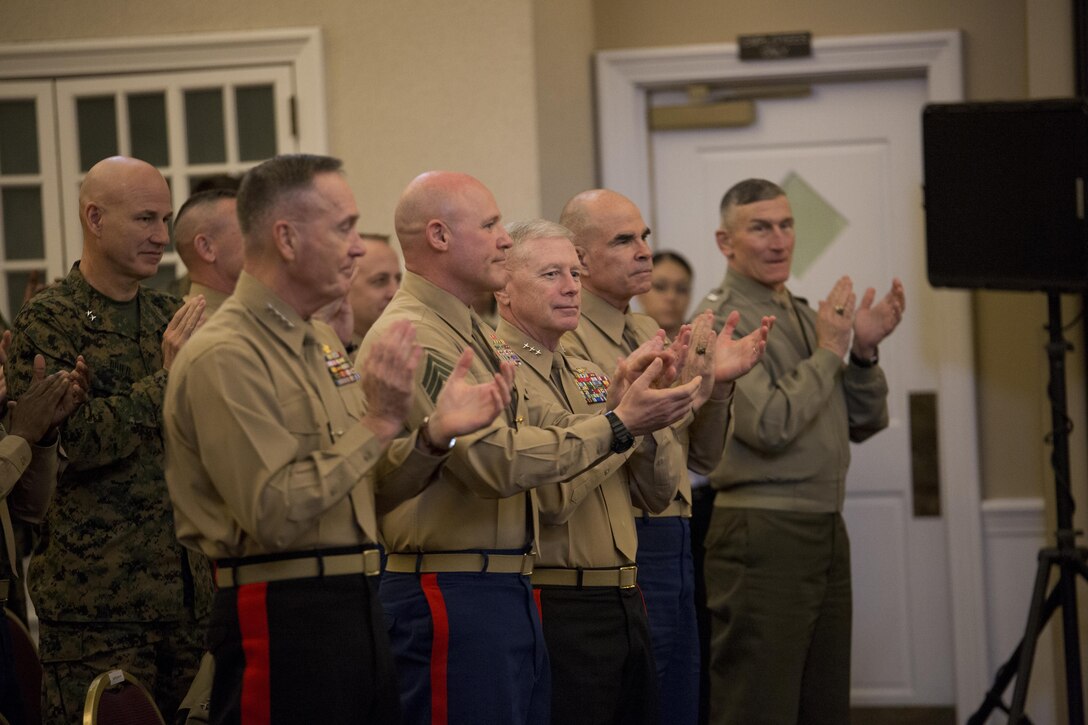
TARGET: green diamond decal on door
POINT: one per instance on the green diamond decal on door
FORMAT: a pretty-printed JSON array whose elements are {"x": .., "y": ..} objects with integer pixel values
[{"x": 818, "y": 223}]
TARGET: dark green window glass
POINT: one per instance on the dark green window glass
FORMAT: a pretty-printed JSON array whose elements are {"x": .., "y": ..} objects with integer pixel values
[
  {"x": 18, "y": 137},
  {"x": 17, "y": 288},
  {"x": 204, "y": 126},
  {"x": 24, "y": 237},
  {"x": 97, "y": 120},
  {"x": 256, "y": 122},
  {"x": 147, "y": 128}
]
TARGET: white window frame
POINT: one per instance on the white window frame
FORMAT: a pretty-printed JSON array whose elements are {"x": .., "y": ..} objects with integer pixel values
[
  {"x": 301, "y": 48},
  {"x": 46, "y": 179},
  {"x": 179, "y": 171}
]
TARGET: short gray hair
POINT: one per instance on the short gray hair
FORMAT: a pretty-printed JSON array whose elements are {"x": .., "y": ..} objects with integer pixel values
[
  {"x": 748, "y": 191},
  {"x": 524, "y": 232},
  {"x": 266, "y": 184}
]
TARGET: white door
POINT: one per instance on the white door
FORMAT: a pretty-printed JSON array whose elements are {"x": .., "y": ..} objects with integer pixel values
[
  {"x": 850, "y": 158},
  {"x": 30, "y": 237}
]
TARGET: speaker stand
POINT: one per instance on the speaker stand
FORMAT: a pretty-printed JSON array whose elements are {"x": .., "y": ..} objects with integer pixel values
[{"x": 1069, "y": 559}]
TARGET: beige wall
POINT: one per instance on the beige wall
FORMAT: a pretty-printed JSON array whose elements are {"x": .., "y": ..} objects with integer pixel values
[
  {"x": 411, "y": 86},
  {"x": 563, "y": 40},
  {"x": 994, "y": 29}
]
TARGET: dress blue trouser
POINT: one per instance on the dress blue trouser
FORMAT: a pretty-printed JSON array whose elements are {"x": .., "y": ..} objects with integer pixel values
[
  {"x": 666, "y": 577},
  {"x": 468, "y": 648}
]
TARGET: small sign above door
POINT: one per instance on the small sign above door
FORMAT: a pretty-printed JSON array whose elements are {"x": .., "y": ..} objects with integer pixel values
[{"x": 775, "y": 46}]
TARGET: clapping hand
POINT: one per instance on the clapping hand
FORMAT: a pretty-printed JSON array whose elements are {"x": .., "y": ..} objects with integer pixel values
[
  {"x": 734, "y": 358},
  {"x": 872, "y": 323},
  {"x": 463, "y": 406}
]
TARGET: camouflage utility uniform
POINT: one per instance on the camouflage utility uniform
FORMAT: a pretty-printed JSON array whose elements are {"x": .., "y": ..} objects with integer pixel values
[{"x": 111, "y": 584}]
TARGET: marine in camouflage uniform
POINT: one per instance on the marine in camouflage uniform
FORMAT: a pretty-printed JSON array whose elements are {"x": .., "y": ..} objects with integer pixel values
[{"x": 110, "y": 582}]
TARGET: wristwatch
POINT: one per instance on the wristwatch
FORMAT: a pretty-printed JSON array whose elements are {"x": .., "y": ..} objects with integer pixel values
[
  {"x": 864, "y": 362},
  {"x": 621, "y": 437},
  {"x": 425, "y": 434}
]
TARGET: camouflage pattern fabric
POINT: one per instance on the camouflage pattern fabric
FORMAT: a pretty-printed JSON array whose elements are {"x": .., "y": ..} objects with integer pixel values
[
  {"x": 163, "y": 658},
  {"x": 108, "y": 550}
]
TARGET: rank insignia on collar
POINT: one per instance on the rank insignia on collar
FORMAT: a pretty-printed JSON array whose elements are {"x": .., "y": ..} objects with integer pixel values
[
  {"x": 280, "y": 317},
  {"x": 339, "y": 367},
  {"x": 91, "y": 316},
  {"x": 594, "y": 386},
  {"x": 531, "y": 349},
  {"x": 503, "y": 350}
]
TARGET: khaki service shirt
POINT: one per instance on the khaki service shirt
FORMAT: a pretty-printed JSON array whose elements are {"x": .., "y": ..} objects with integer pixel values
[
  {"x": 213, "y": 298},
  {"x": 586, "y": 522},
  {"x": 795, "y": 412},
  {"x": 481, "y": 498},
  {"x": 264, "y": 450},
  {"x": 28, "y": 478},
  {"x": 599, "y": 337}
]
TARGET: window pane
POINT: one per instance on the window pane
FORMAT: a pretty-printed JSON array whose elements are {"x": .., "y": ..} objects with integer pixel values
[
  {"x": 22, "y": 209},
  {"x": 147, "y": 127},
  {"x": 256, "y": 122},
  {"x": 18, "y": 137},
  {"x": 213, "y": 181},
  {"x": 97, "y": 120},
  {"x": 204, "y": 126},
  {"x": 17, "y": 288}
]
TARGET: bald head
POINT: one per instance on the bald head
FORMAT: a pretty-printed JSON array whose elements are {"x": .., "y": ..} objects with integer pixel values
[
  {"x": 577, "y": 212},
  {"x": 111, "y": 180},
  {"x": 430, "y": 197},
  {"x": 125, "y": 211},
  {"x": 613, "y": 242},
  {"x": 450, "y": 232}
]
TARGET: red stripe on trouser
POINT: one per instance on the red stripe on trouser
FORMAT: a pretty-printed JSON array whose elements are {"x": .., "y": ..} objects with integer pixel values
[
  {"x": 256, "y": 677},
  {"x": 536, "y": 598},
  {"x": 440, "y": 647}
]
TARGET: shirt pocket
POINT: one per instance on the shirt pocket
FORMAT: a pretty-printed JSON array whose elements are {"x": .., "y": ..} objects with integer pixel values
[{"x": 305, "y": 419}]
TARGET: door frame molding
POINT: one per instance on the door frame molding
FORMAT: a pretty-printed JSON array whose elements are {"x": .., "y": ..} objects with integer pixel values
[
  {"x": 624, "y": 78},
  {"x": 301, "y": 48}
]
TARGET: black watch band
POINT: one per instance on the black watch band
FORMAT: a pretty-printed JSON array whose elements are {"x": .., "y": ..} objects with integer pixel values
[
  {"x": 863, "y": 362},
  {"x": 621, "y": 437}
]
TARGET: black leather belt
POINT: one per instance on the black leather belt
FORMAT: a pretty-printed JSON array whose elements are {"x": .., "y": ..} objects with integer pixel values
[
  {"x": 468, "y": 562},
  {"x": 622, "y": 577},
  {"x": 235, "y": 572}
]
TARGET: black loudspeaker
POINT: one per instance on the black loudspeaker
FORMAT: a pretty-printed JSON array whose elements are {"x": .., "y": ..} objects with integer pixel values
[{"x": 1005, "y": 196}]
